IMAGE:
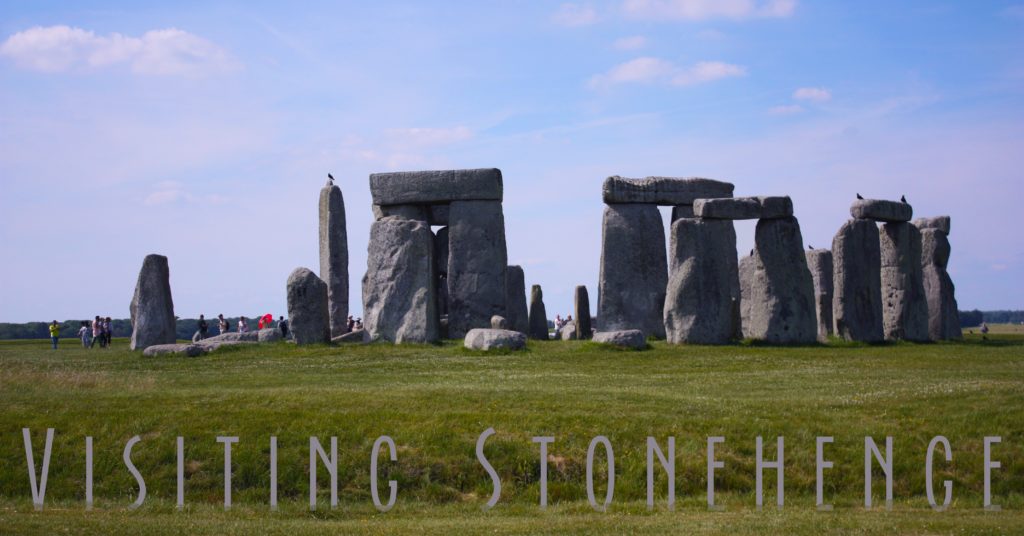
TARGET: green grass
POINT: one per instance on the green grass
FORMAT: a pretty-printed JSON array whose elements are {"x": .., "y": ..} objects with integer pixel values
[{"x": 436, "y": 400}]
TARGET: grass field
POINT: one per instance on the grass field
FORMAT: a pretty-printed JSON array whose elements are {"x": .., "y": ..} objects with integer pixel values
[{"x": 436, "y": 400}]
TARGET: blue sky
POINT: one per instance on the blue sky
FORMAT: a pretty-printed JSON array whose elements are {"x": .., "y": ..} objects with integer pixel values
[{"x": 204, "y": 130}]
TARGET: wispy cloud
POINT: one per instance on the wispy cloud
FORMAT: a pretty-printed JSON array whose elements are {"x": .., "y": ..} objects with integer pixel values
[
  {"x": 785, "y": 109},
  {"x": 814, "y": 94},
  {"x": 635, "y": 42},
  {"x": 575, "y": 15},
  {"x": 166, "y": 52},
  {"x": 696, "y": 10},
  {"x": 649, "y": 70}
]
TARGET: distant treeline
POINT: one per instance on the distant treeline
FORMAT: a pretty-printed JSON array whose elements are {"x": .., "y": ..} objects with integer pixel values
[
  {"x": 970, "y": 319},
  {"x": 122, "y": 327}
]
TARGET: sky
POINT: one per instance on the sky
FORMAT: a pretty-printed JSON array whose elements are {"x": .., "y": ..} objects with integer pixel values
[{"x": 204, "y": 130}]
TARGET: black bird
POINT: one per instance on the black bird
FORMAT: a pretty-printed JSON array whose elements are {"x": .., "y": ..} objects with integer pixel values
[
  {"x": 751, "y": 253},
  {"x": 330, "y": 178},
  {"x": 810, "y": 247},
  {"x": 860, "y": 196},
  {"x": 903, "y": 199}
]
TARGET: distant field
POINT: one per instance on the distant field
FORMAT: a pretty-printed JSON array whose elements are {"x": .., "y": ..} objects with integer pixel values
[{"x": 436, "y": 400}]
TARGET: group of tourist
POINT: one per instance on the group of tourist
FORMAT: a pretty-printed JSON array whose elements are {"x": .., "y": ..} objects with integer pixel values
[
  {"x": 354, "y": 324},
  {"x": 223, "y": 326},
  {"x": 561, "y": 322},
  {"x": 98, "y": 331}
]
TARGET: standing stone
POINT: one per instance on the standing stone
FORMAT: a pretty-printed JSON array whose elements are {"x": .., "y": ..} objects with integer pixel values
[
  {"x": 151, "y": 308},
  {"x": 701, "y": 305},
  {"x": 819, "y": 261},
  {"x": 746, "y": 272},
  {"x": 633, "y": 275},
  {"x": 308, "y": 315},
  {"x": 517, "y": 314},
  {"x": 538, "y": 316},
  {"x": 477, "y": 260},
  {"x": 581, "y": 303},
  {"x": 857, "y": 301},
  {"x": 334, "y": 256},
  {"x": 904, "y": 304},
  {"x": 780, "y": 293},
  {"x": 943, "y": 316},
  {"x": 441, "y": 269},
  {"x": 399, "y": 301}
]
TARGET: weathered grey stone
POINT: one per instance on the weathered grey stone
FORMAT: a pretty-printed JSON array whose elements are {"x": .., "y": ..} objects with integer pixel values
[
  {"x": 334, "y": 256},
  {"x": 428, "y": 187},
  {"x": 701, "y": 302},
  {"x": 941, "y": 223},
  {"x": 779, "y": 294},
  {"x": 568, "y": 332},
  {"x": 477, "y": 259},
  {"x": 628, "y": 338},
  {"x": 662, "y": 190},
  {"x": 406, "y": 212},
  {"x": 151, "y": 308},
  {"x": 744, "y": 208},
  {"x": 881, "y": 210},
  {"x": 857, "y": 282},
  {"x": 682, "y": 211},
  {"x": 360, "y": 336},
  {"x": 819, "y": 262},
  {"x": 197, "y": 336},
  {"x": 208, "y": 346},
  {"x": 538, "y": 315},
  {"x": 492, "y": 339},
  {"x": 441, "y": 269},
  {"x": 943, "y": 314},
  {"x": 904, "y": 304},
  {"x": 746, "y": 277},
  {"x": 234, "y": 336},
  {"x": 581, "y": 310},
  {"x": 778, "y": 206},
  {"x": 187, "y": 350},
  {"x": 499, "y": 322},
  {"x": 399, "y": 300},
  {"x": 438, "y": 214},
  {"x": 308, "y": 316},
  {"x": 516, "y": 312},
  {"x": 269, "y": 335},
  {"x": 633, "y": 275}
]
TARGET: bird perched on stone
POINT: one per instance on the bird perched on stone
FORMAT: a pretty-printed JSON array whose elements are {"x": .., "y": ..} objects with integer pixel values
[
  {"x": 860, "y": 196},
  {"x": 751, "y": 253},
  {"x": 330, "y": 178},
  {"x": 810, "y": 247},
  {"x": 903, "y": 199}
]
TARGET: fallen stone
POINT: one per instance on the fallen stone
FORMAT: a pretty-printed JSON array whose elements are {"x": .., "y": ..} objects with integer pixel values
[
  {"x": 498, "y": 322},
  {"x": 581, "y": 308},
  {"x": 629, "y": 338},
  {"x": 702, "y": 297},
  {"x": 490, "y": 339},
  {"x": 360, "y": 336},
  {"x": 399, "y": 301},
  {"x": 477, "y": 259},
  {"x": 151, "y": 308},
  {"x": 516, "y": 311},
  {"x": 881, "y": 210},
  {"x": 428, "y": 187},
  {"x": 308, "y": 317},
  {"x": 941, "y": 223},
  {"x": 269, "y": 335},
  {"x": 904, "y": 304},
  {"x": 568, "y": 332},
  {"x": 234, "y": 336},
  {"x": 187, "y": 350},
  {"x": 662, "y": 190},
  {"x": 209, "y": 346},
  {"x": 819, "y": 262},
  {"x": 857, "y": 282},
  {"x": 538, "y": 315},
  {"x": 633, "y": 275},
  {"x": 943, "y": 313},
  {"x": 334, "y": 256}
]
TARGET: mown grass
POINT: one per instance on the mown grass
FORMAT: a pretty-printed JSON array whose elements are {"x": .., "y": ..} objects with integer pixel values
[{"x": 436, "y": 400}]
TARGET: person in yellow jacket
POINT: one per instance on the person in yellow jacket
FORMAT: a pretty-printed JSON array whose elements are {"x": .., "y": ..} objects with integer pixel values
[{"x": 54, "y": 333}]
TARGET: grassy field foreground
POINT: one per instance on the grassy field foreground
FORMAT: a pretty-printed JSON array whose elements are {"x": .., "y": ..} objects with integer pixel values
[{"x": 436, "y": 400}]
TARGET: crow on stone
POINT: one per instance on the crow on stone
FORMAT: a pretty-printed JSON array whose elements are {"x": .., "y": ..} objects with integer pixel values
[
  {"x": 860, "y": 196},
  {"x": 903, "y": 199}
]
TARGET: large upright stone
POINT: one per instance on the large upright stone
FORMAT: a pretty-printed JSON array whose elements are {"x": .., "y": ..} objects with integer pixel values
[
  {"x": 581, "y": 306},
  {"x": 151, "y": 308},
  {"x": 701, "y": 302},
  {"x": 429, "y": 187},
  {"x": 881, "y": 210},
  {"x": 819, "y": 262},
  {"x": 334, "y": 256},
  {"x": 516, "y": 313},
  {"x": 857, "y": 282},
  {"x": 538, "y": 315},
  {"x": 943, "y": 316},
  {"x": 746, "y": 276},
  {"x": 308, "y": 315},
  {"x": 780, "y": 297},
  {"x": 633, "y": 276},
  {"x": 399, "y": 301},
  {"x": 904, "y": 304},
  {"x": 477, "y": 260},
  {"x": 441, "y": 269},
  {"x": 667, "y": 191}
]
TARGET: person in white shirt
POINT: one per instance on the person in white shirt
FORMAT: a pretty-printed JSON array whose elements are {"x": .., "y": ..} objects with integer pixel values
[{"x": 243, "y": 326}]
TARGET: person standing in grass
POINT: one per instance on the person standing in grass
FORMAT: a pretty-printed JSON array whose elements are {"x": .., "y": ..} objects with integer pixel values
[
  {"x": 54, "y": 333},
  {"x": 222, "y": 324},
  {"x": 108, "y": 331},
  {"x": 282, "y": 324},
  {"x": 243, "y": 325},
  {"x": 203, "y": 327},
  {"x": 83, "y": 333},
  {"x": 97, "y": 332}
]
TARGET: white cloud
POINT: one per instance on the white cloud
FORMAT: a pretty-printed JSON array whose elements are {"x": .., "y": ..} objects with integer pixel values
[
  {"x": 168, "y": 51},
  {"x": 708, "y": 9},
  {"x": 815, "y": 94},
  {"x": 635, "y": 42},
  {"x": 648, "y": 70},
  {"x": 574, "y": 15},
  {"x": 786, "y": 109}
]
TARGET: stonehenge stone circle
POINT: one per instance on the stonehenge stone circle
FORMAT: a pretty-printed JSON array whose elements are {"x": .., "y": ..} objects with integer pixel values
[
  {"x": 904, "y": 304},
  {"x": 568, "y": 332},
  {"x": 538, "y": 316},
  {"x": 666, "y": 191},
  {"x": 516, "y": 312},
  {"x": 941, "y": 223},
  {"x": 880, "y": 210},
  {"x": 581, "y": 310},
  {"x": 682, "y": 211},
  {"x": 431, "y": 187},
  {"x": 334, "y": 255},
  {"x": 477, "y": 259},
  {"x": 187, "y": 350},
  {"x": 308, "y": 316},
  {"x": 702, "y": 297},
  {"x": 819, "y": 262},
  {"x": 633, "y": 273},
  {"x": 441, "y": 269},
  {"x": 943, "y": 316},
  {"x": 744, "y": 208},
  {"x": 627, "y": 338},
  {"x": 399, "y": 300},
  {"x": 499, "y": 322},
  {"x": 857, "y": 283},
  {"x": 489, "y": 339},
  {"x": 151, "y": 308}
]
